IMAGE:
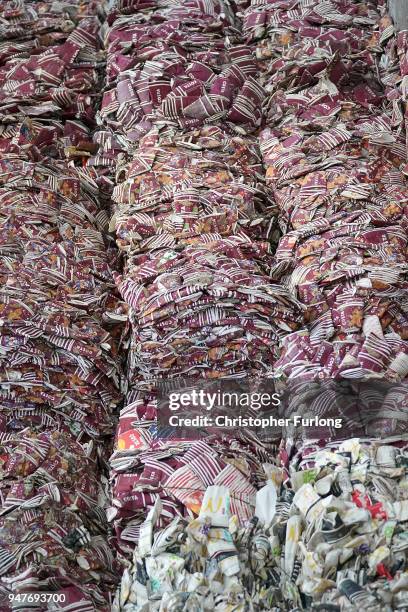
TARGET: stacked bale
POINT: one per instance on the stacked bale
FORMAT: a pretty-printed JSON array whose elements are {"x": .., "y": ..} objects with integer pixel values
[
  {"x": 59, "y": 312},
  {"x": 335, "y": 157},
  {"x": 179, "y": 121}
]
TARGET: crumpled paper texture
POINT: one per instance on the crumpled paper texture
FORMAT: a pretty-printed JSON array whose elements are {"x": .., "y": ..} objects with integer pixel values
[
  {"x": 336, "y": 540},
  {"x": 334, "y": 182},
  {"x": 197, "y": 226},
  {"x": 251, "y": 159},
  {"x": 60, "y": 313}
]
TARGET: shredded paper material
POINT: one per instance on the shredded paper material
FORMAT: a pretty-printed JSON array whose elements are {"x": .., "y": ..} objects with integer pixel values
[{"x": 211, "y": 189}]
